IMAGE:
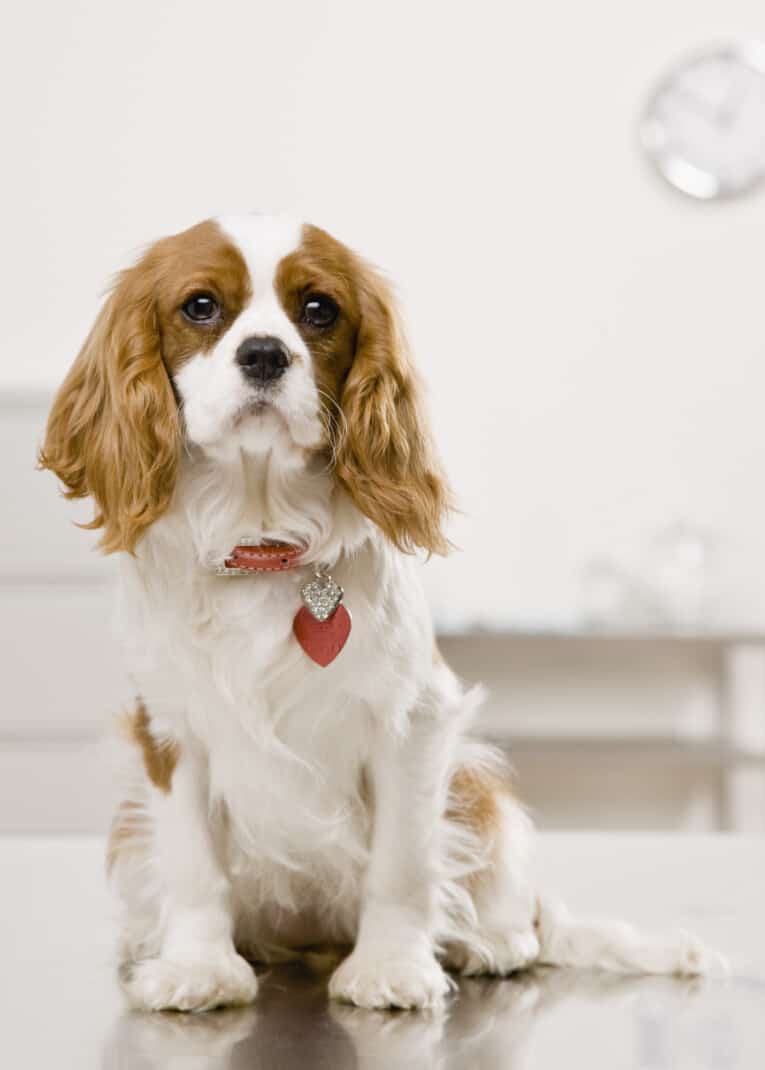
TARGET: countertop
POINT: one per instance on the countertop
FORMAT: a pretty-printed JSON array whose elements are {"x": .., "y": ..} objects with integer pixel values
[{"x": 61, "y": 1008}]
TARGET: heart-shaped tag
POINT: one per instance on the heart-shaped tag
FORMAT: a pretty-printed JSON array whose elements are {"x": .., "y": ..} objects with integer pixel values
[
  {"x": 321, "y": 596},
  {"x": 322, "y": 640}
]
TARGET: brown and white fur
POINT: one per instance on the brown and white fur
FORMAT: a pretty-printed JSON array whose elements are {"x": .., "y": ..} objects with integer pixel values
[{"x": 277, "y": 805}]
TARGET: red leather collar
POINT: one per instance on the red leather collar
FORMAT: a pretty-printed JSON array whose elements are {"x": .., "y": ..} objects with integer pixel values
[{"x": 264, "y": 557}]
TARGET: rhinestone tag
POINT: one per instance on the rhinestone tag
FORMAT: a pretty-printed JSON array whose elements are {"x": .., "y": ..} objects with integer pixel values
[{"x": 321, "y": 596}]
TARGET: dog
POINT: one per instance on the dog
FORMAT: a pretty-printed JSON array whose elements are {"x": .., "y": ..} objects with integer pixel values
[{"x": 248, "y": 421}]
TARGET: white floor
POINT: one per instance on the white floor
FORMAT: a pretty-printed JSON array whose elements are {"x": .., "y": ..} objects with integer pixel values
[{"x": 60, "y": 1005}]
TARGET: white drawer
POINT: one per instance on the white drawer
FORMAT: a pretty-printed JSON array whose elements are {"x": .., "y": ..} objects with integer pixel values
[
  {"x": 62, "y": 669},
  {"x": 38, "y": 537}
]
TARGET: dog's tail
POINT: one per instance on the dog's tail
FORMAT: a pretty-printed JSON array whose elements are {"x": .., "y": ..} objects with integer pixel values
[{"x": 615, "y": 945}]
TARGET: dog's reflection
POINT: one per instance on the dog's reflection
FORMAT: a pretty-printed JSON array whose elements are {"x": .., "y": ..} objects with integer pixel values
[{"x": 488, "y": 1025}]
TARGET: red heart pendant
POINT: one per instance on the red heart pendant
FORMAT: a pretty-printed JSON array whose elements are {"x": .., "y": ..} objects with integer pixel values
[{"x": 322, "y": 640}]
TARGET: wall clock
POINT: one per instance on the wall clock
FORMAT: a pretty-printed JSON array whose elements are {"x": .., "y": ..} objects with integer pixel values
[{"x": 704, "y": 126}]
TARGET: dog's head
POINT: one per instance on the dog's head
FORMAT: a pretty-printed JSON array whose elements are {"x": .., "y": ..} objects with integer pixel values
[{"x": 251, "y": 334}]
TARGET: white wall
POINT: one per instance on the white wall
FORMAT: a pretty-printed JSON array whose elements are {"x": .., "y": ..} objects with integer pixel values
[{"x": 593, "y": 342}]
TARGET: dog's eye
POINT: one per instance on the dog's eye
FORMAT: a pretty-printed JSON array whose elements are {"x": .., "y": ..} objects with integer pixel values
[
  {"x": 319, "y": 311},
  {"x": 201, "y": 308}
]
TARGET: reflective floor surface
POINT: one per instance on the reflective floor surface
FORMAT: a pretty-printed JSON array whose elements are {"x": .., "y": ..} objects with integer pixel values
[
  {"x": 60, "y": 1006},
  {"x": 548, "y": 1019}
]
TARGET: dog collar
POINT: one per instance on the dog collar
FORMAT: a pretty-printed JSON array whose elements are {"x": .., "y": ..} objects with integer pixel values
[
  {"x": 260, "y": 557},
  {"x": 322, "y": 625}
]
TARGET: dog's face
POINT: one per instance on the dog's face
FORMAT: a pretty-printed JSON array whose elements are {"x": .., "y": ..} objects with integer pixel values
[
  {"x": 259, "y": 319},
  {"x": 247, "y": 335}
]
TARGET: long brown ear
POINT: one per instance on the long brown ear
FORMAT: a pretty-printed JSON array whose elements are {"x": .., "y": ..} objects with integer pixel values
[
  {"x": 384, "y": 455},
  {"x": 113, "y": 431}
]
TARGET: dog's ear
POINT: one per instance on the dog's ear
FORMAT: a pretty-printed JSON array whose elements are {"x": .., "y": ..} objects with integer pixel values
[
  {"x": 383, "y": 455},
  {"x": 113, "y": 432}
]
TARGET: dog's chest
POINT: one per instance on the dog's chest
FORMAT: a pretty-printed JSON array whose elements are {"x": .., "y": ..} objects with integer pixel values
[{"x": 295, "y": 797}]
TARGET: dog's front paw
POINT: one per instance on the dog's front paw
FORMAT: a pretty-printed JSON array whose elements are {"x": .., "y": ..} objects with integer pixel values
[
  {"x": 377, "y": 977},
  {"x": 196, "y": 984}
]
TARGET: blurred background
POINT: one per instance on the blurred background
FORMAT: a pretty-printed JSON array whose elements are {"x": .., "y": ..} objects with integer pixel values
[{"x": 569, "y": 201}]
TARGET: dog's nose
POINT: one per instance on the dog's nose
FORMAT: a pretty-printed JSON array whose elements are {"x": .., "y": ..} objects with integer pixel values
[{"x": 262, "y": 359}]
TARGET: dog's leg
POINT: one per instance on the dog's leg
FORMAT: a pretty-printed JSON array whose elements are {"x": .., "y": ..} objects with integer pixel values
[
  {"x": 502, "y": 938},
  {"x": 393, "y": 963},
  {"x": 514, "y": 927},
  {"x": 615, "y": 945},
  {"x": 197, "y": 966}
]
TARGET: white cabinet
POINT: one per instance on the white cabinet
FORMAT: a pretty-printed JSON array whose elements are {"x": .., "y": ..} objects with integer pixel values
[{"x": 61, "y": 670}]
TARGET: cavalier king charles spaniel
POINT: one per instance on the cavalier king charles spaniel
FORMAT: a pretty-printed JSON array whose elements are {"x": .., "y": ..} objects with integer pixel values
[{"x": 248, "y": 422}]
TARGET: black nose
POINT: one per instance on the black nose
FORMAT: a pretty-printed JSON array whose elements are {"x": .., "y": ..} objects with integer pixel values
[{"x": 262, "y": 359}]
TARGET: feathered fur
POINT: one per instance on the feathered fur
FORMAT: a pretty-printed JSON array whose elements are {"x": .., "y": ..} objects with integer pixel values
[{"x": 113, "y": 432}]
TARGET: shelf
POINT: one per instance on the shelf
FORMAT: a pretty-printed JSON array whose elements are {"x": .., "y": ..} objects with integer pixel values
[
  {"x": 700, "y": 638},
  {"x": 665, "y": 752}
]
